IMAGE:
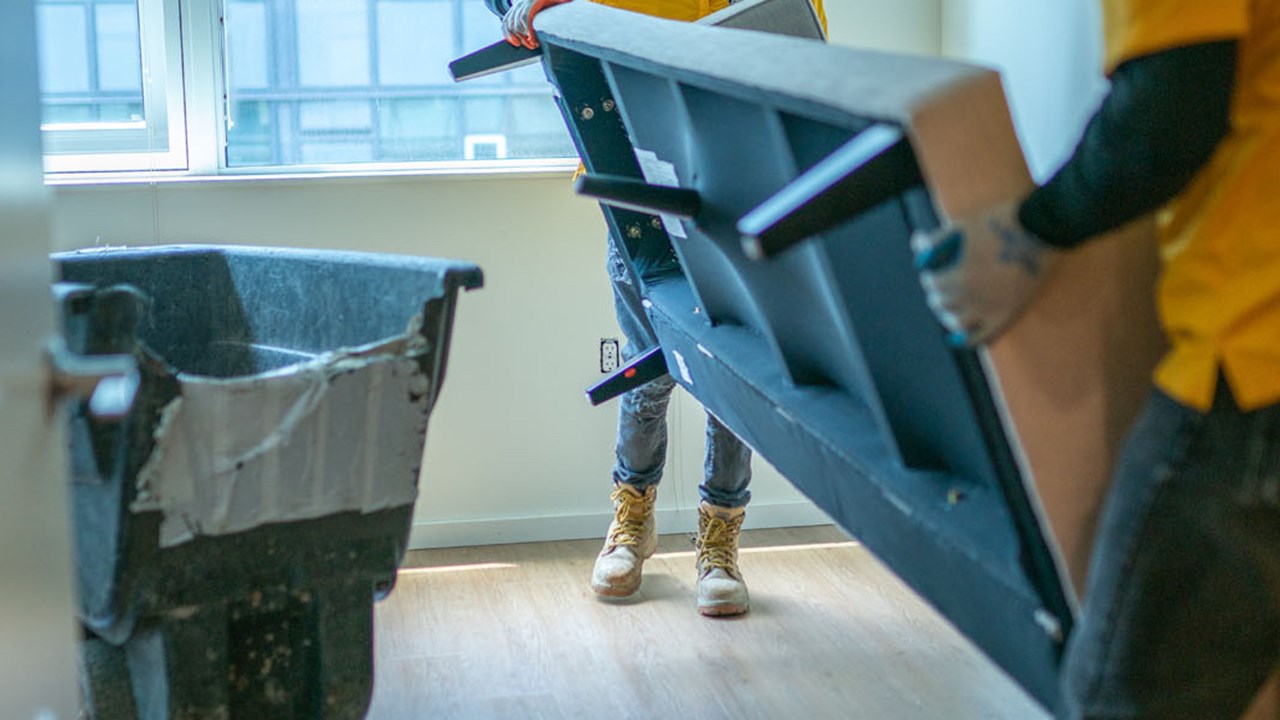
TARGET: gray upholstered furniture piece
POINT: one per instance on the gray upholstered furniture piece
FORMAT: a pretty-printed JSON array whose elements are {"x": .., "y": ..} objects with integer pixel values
[{"x": 765, "y": 189}]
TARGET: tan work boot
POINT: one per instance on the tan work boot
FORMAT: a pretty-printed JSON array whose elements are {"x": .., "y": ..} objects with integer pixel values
[
  {"x": 721, "y": 590},
  {"x": 632, "y": 539}
]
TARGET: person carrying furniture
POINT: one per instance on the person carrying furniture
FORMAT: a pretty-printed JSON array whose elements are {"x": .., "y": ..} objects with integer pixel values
[
  {"x": 641, "y": 444},
  {"x": 1181, "y": 615}
]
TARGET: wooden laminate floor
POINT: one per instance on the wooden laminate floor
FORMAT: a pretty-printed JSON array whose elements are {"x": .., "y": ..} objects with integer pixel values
[{"x": 513, "y": 631}]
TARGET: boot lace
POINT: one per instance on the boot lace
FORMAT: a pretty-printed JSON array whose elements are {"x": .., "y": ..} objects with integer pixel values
[
  {"x": 718, "y": 544},
  {"x": 629, "y": 518}
]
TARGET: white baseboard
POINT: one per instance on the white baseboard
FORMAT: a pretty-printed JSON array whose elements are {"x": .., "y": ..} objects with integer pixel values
[{"x": 498, "y": 531}]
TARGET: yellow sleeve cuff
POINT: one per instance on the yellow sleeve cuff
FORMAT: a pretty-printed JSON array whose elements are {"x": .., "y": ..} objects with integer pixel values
[
  {"x": 821, "y": 13},
  {"x": 1135, "y": 28}
]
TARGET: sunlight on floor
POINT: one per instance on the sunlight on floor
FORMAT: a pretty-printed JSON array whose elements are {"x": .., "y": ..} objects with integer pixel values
[
  {"x": 457, "y": 568},
  {"x": 483, "y": 566},
  {"x": 762, "y": 550}
]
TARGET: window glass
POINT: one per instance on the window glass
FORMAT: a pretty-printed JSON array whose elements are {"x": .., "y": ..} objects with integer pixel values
[
  {"x": 355, "y": 81},
  {"x": 119, "y": 48},
  {"x": 332, "y": 41},
  {"x": 90, "y": 62}
]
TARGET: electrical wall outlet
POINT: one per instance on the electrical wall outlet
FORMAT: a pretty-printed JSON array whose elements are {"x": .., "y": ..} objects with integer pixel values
[{"x": 610, "y": 358}]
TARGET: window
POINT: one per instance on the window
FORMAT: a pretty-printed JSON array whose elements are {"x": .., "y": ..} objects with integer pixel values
[
  {"x": 359, "y": 81},
  {"x": 110, "y": 85},
  {"x": 281, "y": 84}
]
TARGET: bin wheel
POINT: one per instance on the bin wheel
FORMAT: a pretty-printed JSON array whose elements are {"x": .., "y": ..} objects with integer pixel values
[{"x": 104, "y": 682}]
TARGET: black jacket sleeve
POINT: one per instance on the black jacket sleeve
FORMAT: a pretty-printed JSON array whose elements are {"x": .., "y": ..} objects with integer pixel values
[
  {"x": 498, "y": 7},
  {"x": 1162, "y": 120}
]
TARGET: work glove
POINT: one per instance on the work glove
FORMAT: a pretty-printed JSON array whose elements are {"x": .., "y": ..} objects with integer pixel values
[
  {"x": 979, "y": 273},
  {"x": 517, "y": 24}
]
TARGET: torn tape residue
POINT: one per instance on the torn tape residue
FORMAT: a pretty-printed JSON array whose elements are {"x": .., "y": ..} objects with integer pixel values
[{"x": 343, "y": 432}]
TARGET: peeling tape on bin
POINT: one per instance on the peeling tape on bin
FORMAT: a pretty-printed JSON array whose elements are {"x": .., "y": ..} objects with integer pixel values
[{"x": 343, "y": 432}]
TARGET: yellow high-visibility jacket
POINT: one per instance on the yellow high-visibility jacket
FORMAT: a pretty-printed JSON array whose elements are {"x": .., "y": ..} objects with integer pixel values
[
  {"x": 1219, "y": 294},
  {"x": 687, "y": 10}
]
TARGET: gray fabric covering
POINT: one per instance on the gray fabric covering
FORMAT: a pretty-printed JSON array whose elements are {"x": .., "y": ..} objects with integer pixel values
[
  {"x": 783, "y": 17},
  {"x": 956, "y": 114},
  {"x": 849, "y": 79}
]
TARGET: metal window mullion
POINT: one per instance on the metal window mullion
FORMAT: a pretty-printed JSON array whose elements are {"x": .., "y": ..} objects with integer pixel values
[
  {"x": 160, "y": 40},
  {"x": 288, "y": 116},
  {"x": 460, "y": 105},
  {"x": 81, "y": 98},
  {"x": 350, "y": 93},
  {"x": 204, "y": 85},
  {"x": 375, "y": 79},
  {"x": 91, "y": 48}
]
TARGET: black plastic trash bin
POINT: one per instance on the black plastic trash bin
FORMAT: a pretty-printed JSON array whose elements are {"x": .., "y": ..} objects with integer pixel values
[{"x": 234, "y": 528}]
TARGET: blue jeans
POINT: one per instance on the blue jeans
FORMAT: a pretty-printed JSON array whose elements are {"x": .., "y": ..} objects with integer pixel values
[
  {"x": 1181, "y": 617},
  {"x": 641, "y": 448}
]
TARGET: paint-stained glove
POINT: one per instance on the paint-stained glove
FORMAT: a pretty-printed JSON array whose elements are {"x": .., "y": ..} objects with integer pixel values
[
  {"x": 979, "y": 273},
  {"x": 517, "y": 24}
]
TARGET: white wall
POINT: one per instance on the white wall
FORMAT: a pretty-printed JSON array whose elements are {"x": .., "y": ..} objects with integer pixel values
[
  {"x": 1050, "y": 54},
  {"x": 907, "y": 26},
  {"x": 514, "y": 452}
]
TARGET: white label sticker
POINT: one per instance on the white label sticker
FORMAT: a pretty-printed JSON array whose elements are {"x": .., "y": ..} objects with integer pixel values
[
  {"x": 657, "y": 172},
  {"x": 684, "y": 369}
]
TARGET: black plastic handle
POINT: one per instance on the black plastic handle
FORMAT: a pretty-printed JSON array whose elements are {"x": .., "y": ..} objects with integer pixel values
[
  {"x": 498, "y": 57},
  {"x": 649, "y": 365}
]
